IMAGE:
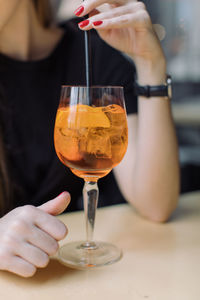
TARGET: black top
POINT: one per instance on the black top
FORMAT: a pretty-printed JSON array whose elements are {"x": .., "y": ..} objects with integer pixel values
[{"x": 32, "y": 90}]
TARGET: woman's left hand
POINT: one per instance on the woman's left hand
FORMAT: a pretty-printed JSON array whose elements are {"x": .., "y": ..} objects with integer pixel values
[{"x": 126, "y": 26}]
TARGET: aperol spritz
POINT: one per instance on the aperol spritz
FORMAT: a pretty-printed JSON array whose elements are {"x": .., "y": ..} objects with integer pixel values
[{"x": 91, "y": 138}]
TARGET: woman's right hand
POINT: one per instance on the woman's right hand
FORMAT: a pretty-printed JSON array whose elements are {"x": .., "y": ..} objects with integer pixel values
[{"x": 29, "y": 235}]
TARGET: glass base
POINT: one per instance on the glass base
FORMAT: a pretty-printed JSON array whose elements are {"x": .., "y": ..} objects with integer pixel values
[{"x": 84, "y": 255}]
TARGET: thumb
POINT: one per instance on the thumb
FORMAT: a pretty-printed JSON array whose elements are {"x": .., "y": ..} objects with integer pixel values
[{"x": 57, "y": 205}]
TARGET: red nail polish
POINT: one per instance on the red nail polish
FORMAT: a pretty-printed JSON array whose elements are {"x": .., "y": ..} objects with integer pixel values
[
  {"x": 79, "y": 11},
  {"x": 83, "y": 23},
  {"x": 97, "y": 23}
]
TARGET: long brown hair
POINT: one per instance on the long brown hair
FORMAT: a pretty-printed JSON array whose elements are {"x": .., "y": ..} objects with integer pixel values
[{"x": 45, "y": 16}]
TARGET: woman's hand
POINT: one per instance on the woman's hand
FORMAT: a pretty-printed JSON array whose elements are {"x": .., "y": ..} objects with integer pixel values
[
  {"x": 28, "y": 235},
  {"x": 126, "y": 26}
]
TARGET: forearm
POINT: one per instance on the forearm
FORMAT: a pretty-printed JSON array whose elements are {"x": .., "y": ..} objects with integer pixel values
[
  {"x": 148, "y": 176},
  {"x": 157, "y": 151},
  {"x": 151, "y": 172},
  {"x": 156, "y": 175}
]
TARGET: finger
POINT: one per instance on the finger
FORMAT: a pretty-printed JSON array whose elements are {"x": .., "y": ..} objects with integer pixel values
[
  {"x": 57, "y": 205},
  {"x": 94, "y": 12},
  {"x": 89, "y": 5},
  {"x": 139, "y": 20},
  {"x": 43, "y": 241},
  {"x": 119, "y": 17},
  {"x": 51, "y": 225},
  {"x": 117, "y": 11},
  {"x": 46, "y": 222},
  {"x": 87, "y": 24},
  {"x": 20, "y": 267},
  {"x": 32, "y": 255}
]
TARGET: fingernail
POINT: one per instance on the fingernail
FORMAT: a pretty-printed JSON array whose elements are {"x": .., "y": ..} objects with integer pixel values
[
  {"x": 67, "y": 194},
  {"x": 61, "y": 194},
  {"x": 79, "y": 11},
  {"x": 97, "y": 23},
  {"x": 83, "y": 23}
]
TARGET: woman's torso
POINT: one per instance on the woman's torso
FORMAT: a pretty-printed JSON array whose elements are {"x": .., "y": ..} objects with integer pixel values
[{"x": 31, "y": 90}]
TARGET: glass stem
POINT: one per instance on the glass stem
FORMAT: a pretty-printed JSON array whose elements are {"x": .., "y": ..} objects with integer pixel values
[{"x": 90, "y": 197}]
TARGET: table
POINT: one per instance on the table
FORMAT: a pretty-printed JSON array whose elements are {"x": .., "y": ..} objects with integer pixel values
[{"x": 160, "y": 262}]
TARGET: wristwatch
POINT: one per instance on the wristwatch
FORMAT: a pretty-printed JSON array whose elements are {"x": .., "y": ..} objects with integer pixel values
[{"x": 148, "y": 91}]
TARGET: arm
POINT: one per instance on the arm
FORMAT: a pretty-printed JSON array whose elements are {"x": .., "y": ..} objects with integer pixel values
[
  {"x": 149, "y": 174},
  {"x": 153, "y": 179}
]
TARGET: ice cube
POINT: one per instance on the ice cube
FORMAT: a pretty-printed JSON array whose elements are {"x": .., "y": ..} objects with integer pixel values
[
  {"x": 97, "y": 142},
  {"x": 66, "y": 143},
  {"x": 116, "y": 115}
]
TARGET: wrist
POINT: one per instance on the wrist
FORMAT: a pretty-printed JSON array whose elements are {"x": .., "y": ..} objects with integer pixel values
[{"x": 151, "y": 72}]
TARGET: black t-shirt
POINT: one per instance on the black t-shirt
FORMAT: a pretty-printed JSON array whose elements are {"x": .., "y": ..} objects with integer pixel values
[{"x": 32, "y": 91}]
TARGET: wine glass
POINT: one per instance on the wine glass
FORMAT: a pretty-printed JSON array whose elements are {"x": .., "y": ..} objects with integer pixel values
[{"x": 90, "y": 138}]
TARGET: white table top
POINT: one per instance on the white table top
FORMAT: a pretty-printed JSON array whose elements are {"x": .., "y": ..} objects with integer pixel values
[{"x": 160, "y": 261}]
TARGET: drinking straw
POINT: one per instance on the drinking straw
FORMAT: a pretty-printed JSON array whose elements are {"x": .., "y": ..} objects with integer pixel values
[{"x": 88, "y": 71}]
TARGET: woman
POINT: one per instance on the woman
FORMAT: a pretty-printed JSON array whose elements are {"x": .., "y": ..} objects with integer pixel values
[{"x": 36, "y": 58}]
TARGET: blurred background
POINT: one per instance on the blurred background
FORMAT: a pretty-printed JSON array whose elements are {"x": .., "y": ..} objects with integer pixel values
[{"x": 177, "y": 23}]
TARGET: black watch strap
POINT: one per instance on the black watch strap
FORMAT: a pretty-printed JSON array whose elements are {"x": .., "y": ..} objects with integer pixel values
[{"x": 148, "y": 91}]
